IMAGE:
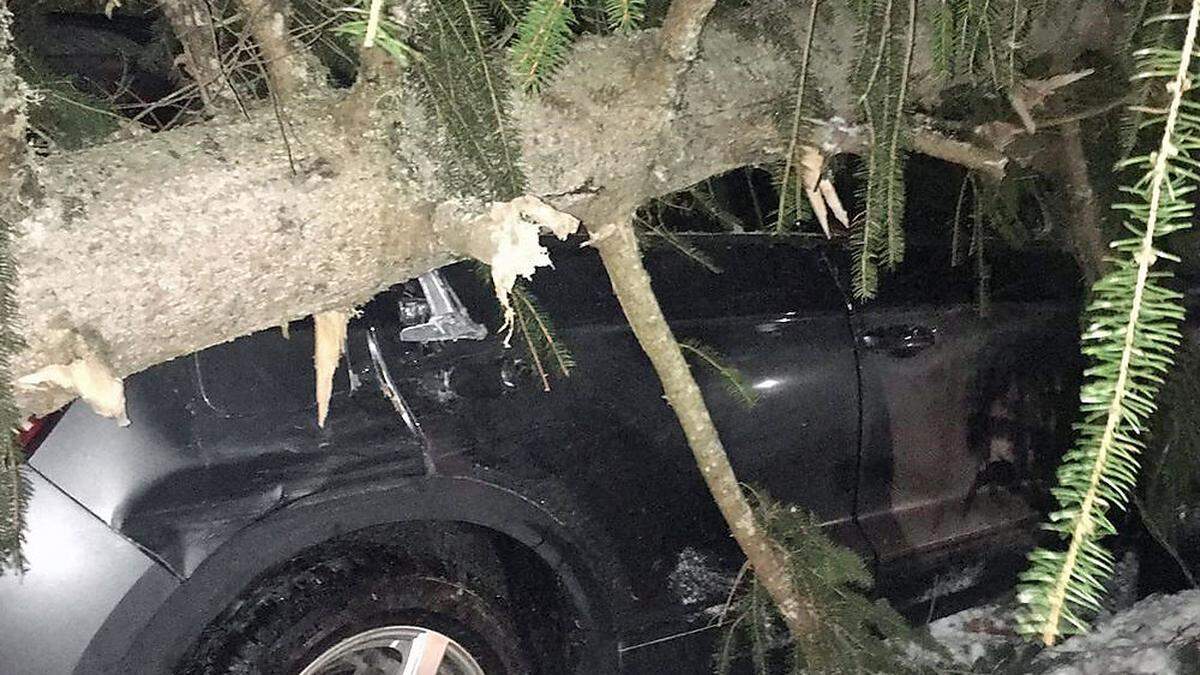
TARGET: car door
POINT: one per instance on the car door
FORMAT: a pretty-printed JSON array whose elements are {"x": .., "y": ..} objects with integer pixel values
[
  {"x": 966, "y": 406},
  {"x": 604, "y": 448},
  {"x": 773, "y": 313}
]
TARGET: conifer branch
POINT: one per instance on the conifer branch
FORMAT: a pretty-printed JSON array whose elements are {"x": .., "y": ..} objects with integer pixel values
[
  {"x": 540, "y": 337},
  {"x": 880, "y": 51},
  {"x": 735, "y": 382},
  {"x": 19, "y": 187},
  {"x": 895, "y": 202},
  {"x": 624, "y": 15},
  {"x": 1131, "y": 338},
  {"x": 543, "y": 36},
  {"x": 797, "y": 118}
]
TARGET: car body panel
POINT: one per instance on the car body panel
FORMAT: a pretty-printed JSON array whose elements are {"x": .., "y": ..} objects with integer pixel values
[
  {"x": 224, "y": 472},
  {"x": 81, "y": 580},
  {"x": 959, "y": 434},
  {"x": 773, "y": 312},
  {"x": 314, "y": 519}
]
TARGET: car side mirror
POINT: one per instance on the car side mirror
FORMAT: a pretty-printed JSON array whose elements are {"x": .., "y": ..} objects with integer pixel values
[{"x": 447, "y": 320}]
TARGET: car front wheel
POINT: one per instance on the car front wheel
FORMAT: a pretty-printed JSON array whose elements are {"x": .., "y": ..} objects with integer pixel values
[{"x": 372, "y": 615}]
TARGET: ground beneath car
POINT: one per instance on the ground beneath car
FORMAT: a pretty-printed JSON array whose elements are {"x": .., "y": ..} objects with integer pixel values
[{"x": 1160, "y": 634}]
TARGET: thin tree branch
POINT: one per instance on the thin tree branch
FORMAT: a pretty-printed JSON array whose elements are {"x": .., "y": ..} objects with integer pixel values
[
  {"x": 1079, "y": 204},
  {"x": 617, "y": 244},
  {"x": 192, "y": 21},
  {"x": 968, "y": 155},
  {"x": 287, "y": 62},
  {"x": 834, "y": 137},
  {"x": 679, "y": 38}
]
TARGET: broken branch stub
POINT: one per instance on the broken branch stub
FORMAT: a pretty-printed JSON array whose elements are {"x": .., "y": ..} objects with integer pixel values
[
  {"x": 87, "y": 374},
  {"x": 329, "y": 329},
  {"x": 506, "y": 238}
]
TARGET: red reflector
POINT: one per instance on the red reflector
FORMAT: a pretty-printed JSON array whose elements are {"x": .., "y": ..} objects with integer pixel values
[{"x": 34, "y": 431}]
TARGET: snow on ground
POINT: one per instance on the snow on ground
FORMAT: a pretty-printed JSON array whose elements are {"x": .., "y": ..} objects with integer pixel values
[{"x": 1159, "y": 635}]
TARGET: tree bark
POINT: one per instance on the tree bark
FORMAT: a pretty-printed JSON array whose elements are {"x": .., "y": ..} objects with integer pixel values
[
  {"x": 1081, "y": 207},
  {"x": 192, "y": 22},
  {"x": 618, "y": 249},
  {"x": 161, "y": 246}
]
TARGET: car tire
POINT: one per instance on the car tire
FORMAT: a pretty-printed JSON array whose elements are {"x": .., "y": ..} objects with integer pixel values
[{"x": 291, "y": 622}]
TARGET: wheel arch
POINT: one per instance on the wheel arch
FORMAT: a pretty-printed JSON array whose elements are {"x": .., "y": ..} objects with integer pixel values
[{"x": 308, "y": 522}]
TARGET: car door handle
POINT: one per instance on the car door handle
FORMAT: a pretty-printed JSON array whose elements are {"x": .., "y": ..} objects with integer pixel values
[{"x": 901, "y": 341}]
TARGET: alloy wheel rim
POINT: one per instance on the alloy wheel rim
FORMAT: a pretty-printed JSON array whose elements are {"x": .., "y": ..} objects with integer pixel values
[{"x": 395, "y": 650}]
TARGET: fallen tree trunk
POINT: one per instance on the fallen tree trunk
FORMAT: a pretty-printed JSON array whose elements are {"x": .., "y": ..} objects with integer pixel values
[
  {"x": 146, "y": 249},
  {"x": 162, "y": 245}
]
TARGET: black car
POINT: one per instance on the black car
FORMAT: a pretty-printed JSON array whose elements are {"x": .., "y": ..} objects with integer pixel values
[{"x": 453, "y": 511}]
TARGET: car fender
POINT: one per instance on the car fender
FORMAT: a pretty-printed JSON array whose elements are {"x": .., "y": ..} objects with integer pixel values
[{"x": 285, "y": 532}]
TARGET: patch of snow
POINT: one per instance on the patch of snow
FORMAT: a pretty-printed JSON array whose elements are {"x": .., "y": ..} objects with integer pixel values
[
  {"x": 698, "y": 579},
  {"x": 953, "y": 581},
  {"x": 972, "y": 634},
  {"x": 1146, "y": 638},
  {"x": 1160, "y": 635}
]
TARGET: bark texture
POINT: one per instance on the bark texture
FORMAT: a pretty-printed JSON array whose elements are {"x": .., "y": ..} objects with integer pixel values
[
  {"x": 151, "y": 248},
  {"x": 192, "y": 23}
]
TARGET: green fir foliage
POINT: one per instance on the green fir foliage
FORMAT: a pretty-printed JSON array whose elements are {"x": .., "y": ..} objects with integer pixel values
[
  {"x": 547, "y": 28},
  {"x": 389, "y": 36},
  {"x": 652, "y": 232},
  {"x": 1144, "y": 34},
  {"x": 792, "y": 204},
  {"x": 543, "y": 37},
  {"x": 882, "y": 78},
  {"x": 548, "y": 354},
  {"x": 991, "y": 210},
  {"x": 1130, "y": 337},
  {"x": 852, "y": 633},
  {"x": 735, "y": 382},
  {"x": 464, "y": 87},
  {"x": 61, "y": 115},
  {"x": 624, "y": 15},
  {"x": 980, "y": 40},
  {"x": 14, "y": 492},
  {"x": 14, "y": 485}
]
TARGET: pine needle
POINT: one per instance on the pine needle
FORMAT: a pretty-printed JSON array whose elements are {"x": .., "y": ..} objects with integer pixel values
[
  {"x": 372, "y": 28},
  {"x": 785, "y": 184},
  {"x": 679, "y": 244},
  {"x": 543, "y": 37},
  {"x": 539, "y": 337},
  {"x": 735, "y": 383},
  {"x": 1132, "y": 333},
  {"x": 878, "y": 234},
  {"x": 853, "y": 634},
  {"x": 624, "y": 15}
]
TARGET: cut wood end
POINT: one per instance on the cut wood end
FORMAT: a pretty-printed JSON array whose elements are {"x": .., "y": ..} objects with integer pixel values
[{"x": 819, "y": 189}]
